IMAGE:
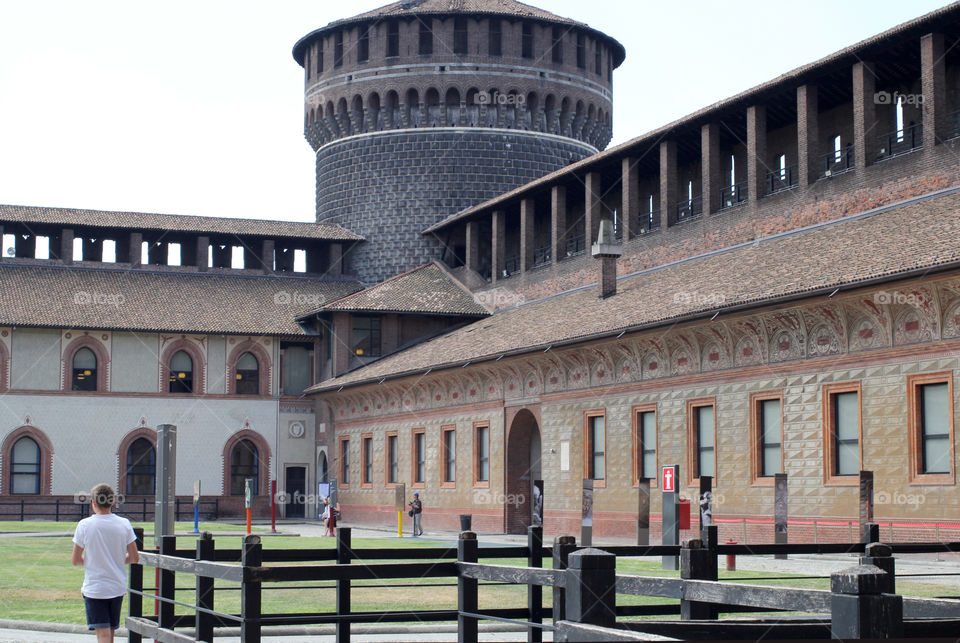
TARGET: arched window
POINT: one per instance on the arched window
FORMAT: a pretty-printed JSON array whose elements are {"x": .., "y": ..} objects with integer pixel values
[
  {"x": 248, "y": 375},
  {"x": 244, "y": 463},
  {"x": 25, "y": 467},
  {"x": 84, "y": 370},
  {"x": 141, "y": 468},
  {"x": 181, "y": 373}
]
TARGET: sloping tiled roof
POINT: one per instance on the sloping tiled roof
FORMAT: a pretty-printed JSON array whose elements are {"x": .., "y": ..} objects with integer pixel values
[
  {"x": 506, "y": 8},
  {"x": 174, "y": 222},
  {"x": 428, "y": 289},
  {"x": 108, "y": 299},
  {"x": 642, "y": 143},
  {"x": 918, "y": 234}
]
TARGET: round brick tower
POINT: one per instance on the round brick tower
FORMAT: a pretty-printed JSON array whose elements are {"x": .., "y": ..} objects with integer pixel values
[{"x": 420, "y": 109}]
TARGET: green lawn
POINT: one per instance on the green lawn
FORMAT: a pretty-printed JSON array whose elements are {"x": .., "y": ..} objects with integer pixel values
[{"x": 38, "y": 582}]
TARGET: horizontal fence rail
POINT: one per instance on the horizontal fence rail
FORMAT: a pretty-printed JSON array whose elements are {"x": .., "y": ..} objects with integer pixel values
[{"x": 583, "y": 581}]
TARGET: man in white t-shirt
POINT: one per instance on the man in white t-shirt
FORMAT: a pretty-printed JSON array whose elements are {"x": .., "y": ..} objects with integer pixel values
[{"x": 104, "y": 543}]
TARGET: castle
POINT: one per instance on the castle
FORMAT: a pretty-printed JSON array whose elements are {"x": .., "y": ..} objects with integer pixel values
[{"x": 489, "y": 296}]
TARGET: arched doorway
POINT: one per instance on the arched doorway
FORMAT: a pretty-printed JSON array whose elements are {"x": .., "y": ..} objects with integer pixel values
[
  {"x": 523, "y": 467},
  {"x": 322, "y": 474}
]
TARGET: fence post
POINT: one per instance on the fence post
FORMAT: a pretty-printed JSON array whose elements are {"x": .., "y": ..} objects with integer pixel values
[
  {"x": 591, "y": 588},
  {"x": 57, "y": 511},
  {"x": 344, "y": 555},
  {"x": 204, "y": 624},
  {"x": 136, "y": 583},
  {"x": 881, "y": 555},
  {"x": 562, "y": 547},
  {"x": 167, "y": 586},
  {"x": 534, "y": 592},
  {"x": 467, "y": 589},
  {"x": 698, "y": 562},
  {"x": 858, "y": 607},
  {"x": 252, "y": 556},
  {"x": 870, "y": 533}
]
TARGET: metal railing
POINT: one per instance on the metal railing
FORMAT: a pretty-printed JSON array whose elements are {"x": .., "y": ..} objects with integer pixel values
[
  {"x": 576, "y": 245},
  {"x": 836, "y": 163},
  {"x": 733, "y": 195},
  {"x": 542, "y": 256},
  {"x": 649, "y": 221},
  {"x": 136, "y": 509},
  {"x": 689, "y": 209},
  {"x": 951, "y": 128},
  {"x": 899, "y": 142},
  {"x": 782, "y": 179}
]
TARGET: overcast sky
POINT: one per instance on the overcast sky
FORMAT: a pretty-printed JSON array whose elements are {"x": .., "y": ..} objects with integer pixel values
[{"x": 196, "y": 107}]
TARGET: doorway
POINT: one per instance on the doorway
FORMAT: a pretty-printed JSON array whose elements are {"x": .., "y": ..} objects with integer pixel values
[
  {"x": 523, "y": 467},
  {"x": 296, "y": 488}
]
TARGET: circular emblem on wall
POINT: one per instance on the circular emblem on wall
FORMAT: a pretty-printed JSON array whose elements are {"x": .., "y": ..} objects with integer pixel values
[{"x": 297, "y": 429}]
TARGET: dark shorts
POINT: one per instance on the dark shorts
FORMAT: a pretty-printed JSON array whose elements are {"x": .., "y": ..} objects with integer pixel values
[{"x": 103, "y": 612}]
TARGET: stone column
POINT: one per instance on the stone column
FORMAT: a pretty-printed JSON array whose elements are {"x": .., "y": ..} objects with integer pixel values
[
  {"x": 558, "y": 221},
  {"x": 335, "y": 268},
  {"x": 710, "y": 167},
  {"x": 629, "y": 196},
  {"x": 756, "y": 152},
  {"x": 593, "y": 207},
  {"x": 934, "y": 82},
  {"x": 266, "y": 255},
  {"x": 498, "y": 245},
  {"x": 136, "y": 250},
  {"x": 472, "y": 234},
  {"x": 864, "y": 114},
  {"x": 527, "y": 235},
  {"x": 668, "y": 183},
  {"x": 808, "y": 135}
]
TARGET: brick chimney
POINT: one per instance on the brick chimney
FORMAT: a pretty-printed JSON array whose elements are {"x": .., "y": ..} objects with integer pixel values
[{"x": 607, "y": 250}]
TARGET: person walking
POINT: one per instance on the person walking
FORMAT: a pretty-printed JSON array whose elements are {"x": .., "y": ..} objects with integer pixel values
[
  {"x": 103, "y": 544},
  {"x": 416, "y": 509}
]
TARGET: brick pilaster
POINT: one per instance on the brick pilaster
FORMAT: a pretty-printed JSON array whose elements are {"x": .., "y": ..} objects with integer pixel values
[
  {"x": 498, "y": 244},
  {"x": 756, "y": 152},
  {"x": 629, "y": 196},
  {"x": 933, "y": 75},
  {"x": 203, "y": 252},
  {"x": 527, "y": 235},
  {"x": 335, "y": 267},
  {"x": 864, "y": 114},
  {"x": 558, "y": 221},
  {"x": 710, "y": 167},
  {"x": 472, "y": 260},
  {"x": 266, "y": 255},
  {"x": 808, "y": 135},
  {"x": 668, "y": 183},
  {"x": 136, "y": 250},
  {"x": 593, "y": 207}
]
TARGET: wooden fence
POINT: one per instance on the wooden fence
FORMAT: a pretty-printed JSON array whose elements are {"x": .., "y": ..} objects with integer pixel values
[{"x": 861, "y": 603}]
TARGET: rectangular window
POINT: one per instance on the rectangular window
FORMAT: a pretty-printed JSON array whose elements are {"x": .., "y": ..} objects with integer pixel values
[
  {"x": 366, "y": 336},
  {"x": 419, "y": 457},
  {"x": 366, "y": 456},
  {"x": 460, "y": 38},
  {"x": 766, "y": 436},
  {"x": 426, "y": 36},
  {"x": 393, "y": 457},
  {"x": 598, "y": 60},
  {"x": 481, "y": 449},
  {"x": 496, "y": 37},
  {"x": 296, "y": 367},
  {"x": 556, "y": 48},
  {"x": 841, "y": 436},
  {"x": 344, "y": 462},
  {"x": 363, "y": 44},
  {"x": 593, "y": 446},
  {"x": 319, "y": 57},
  {"x": 308, "y": 59},
  {"x": 930, "y": 426},
  {"x": 526, "y": 40},
  {"x": 393, "y": 38},
  {"x": 581, "y": 51},
  {"x": 448, "y": 443},
  {"x": 701, "y": 438},
  {"x": 645, "y": 443},
  {"x": 338, "y": 49}
]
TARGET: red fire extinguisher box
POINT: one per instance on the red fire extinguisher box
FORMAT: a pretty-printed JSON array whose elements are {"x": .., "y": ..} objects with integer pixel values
[{"x": 683, "y": 512}]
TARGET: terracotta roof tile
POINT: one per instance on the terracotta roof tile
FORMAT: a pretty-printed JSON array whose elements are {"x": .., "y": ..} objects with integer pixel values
[
  {"x": 428, "y": 289},
  {"x": 895, "y": 240},
  {"x": 174, "y": 222},
  {"x": 144, "y": 300}
]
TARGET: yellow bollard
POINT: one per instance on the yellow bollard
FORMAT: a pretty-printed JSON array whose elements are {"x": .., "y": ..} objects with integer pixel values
[{"x": 400, "y": 523}]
